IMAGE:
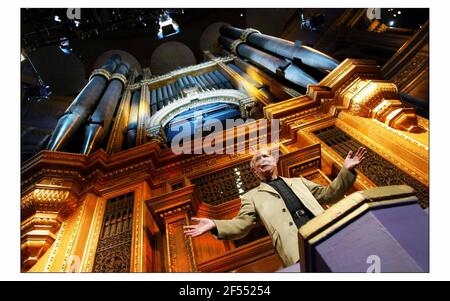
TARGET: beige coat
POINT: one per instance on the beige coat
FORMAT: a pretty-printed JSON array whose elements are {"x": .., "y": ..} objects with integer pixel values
[{"x": 265, "y": 203}]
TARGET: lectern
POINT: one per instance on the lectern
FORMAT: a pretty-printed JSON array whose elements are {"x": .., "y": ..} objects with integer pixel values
[{"x": 377, "y": 230}]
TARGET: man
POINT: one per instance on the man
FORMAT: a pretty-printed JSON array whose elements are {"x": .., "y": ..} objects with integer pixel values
[{"x": 282, "y": 204}]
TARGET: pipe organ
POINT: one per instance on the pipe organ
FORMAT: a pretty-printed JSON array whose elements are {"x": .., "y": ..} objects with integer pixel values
[{"x": 117, "y": 201}]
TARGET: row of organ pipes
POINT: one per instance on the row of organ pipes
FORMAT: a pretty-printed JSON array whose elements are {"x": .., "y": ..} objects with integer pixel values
[
  {"x": 164, "y": 95},
  {"x": 96, "y": 104}
]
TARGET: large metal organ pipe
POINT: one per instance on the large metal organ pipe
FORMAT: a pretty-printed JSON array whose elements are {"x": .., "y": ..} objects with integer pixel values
[
  {"x": 287, "y": 49},
  {"x": 83, "y": 105},
  {"x": 274, "y": 64},
  {"x": 133, "y": 119},
  {"x": 100, "y": 121}
]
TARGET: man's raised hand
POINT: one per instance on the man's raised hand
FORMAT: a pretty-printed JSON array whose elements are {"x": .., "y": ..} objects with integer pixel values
[
  {"x": 204, "y": 225},
  {"x": 353, "y": 160}
]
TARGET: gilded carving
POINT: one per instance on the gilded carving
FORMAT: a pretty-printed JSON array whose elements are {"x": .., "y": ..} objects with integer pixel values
[
  {"x": 72, "y": 240},
  {"x": 368, "y": 96},
  {"x": 43, "y": 211},
  {"x": 55, "y": 247},
  {"x": 57, "y": 182},
  {"x": 178, "y": 257},
  {"x": 93, "y": 239}
]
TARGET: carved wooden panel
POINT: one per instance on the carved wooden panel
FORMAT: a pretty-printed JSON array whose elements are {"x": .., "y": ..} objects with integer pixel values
[
  {"x": 114, "y": 248},
  {"x": 181, "y": 258},
  {"x": 225, "y": 185},
  {"x": 376, "y": 168},
  {"x": 317, "y": 178}
]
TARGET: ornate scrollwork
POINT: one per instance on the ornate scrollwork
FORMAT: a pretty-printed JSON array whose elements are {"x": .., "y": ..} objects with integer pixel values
[{"x": 174, "y": 247}]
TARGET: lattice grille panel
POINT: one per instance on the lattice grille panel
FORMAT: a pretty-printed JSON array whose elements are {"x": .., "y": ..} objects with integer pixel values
[
  {"x": 114, "y": 246},
  {"x": 376, "y": 168}
]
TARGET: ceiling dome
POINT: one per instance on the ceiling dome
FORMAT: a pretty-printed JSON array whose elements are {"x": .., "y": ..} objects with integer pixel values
[{"x": 170, "y": 56}]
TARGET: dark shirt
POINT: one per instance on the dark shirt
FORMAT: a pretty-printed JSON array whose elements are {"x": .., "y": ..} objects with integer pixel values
[{"x": 299, "y": 212}]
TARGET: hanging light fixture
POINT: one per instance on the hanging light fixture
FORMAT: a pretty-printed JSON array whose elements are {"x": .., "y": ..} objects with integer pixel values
[{"x": 167, "y": 26}]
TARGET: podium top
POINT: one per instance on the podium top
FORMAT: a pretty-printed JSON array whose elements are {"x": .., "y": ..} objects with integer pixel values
[{"x": 356, "y": 204}]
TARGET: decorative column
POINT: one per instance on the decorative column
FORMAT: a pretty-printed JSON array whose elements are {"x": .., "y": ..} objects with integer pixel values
[
  {"x": 42, "y": 211},
  {"x": 172, "y": 212},
  {"x": 83, "y": 105},
  {"x": 100, "y": 121}
]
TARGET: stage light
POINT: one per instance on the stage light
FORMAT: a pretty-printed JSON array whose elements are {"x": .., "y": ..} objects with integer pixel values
[
  {"x": 64, "y": 46},
  {"x": 77, "y": 23},
  {"x": 57, "y": 19},
  {"x": 167, "y": 26},
  {"x": 391, "y": 23}
]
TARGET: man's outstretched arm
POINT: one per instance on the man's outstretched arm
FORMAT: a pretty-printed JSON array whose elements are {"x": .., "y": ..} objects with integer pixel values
[
  {"x": 204, "y": 225},
  {"x": 232, "y": 229}
]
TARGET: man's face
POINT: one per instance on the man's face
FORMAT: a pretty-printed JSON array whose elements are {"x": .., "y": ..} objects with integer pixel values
[{"x": 264, "y": 166}]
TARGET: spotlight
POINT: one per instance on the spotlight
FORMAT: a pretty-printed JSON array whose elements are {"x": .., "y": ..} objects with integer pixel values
[
  {"x": 391, "y": 23},
  {"x": 64, "y": 46},
  {"x": 77, "y": 23},
  {"x": 57, "y": 19},
  {"x": 167, "y": 26}
]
